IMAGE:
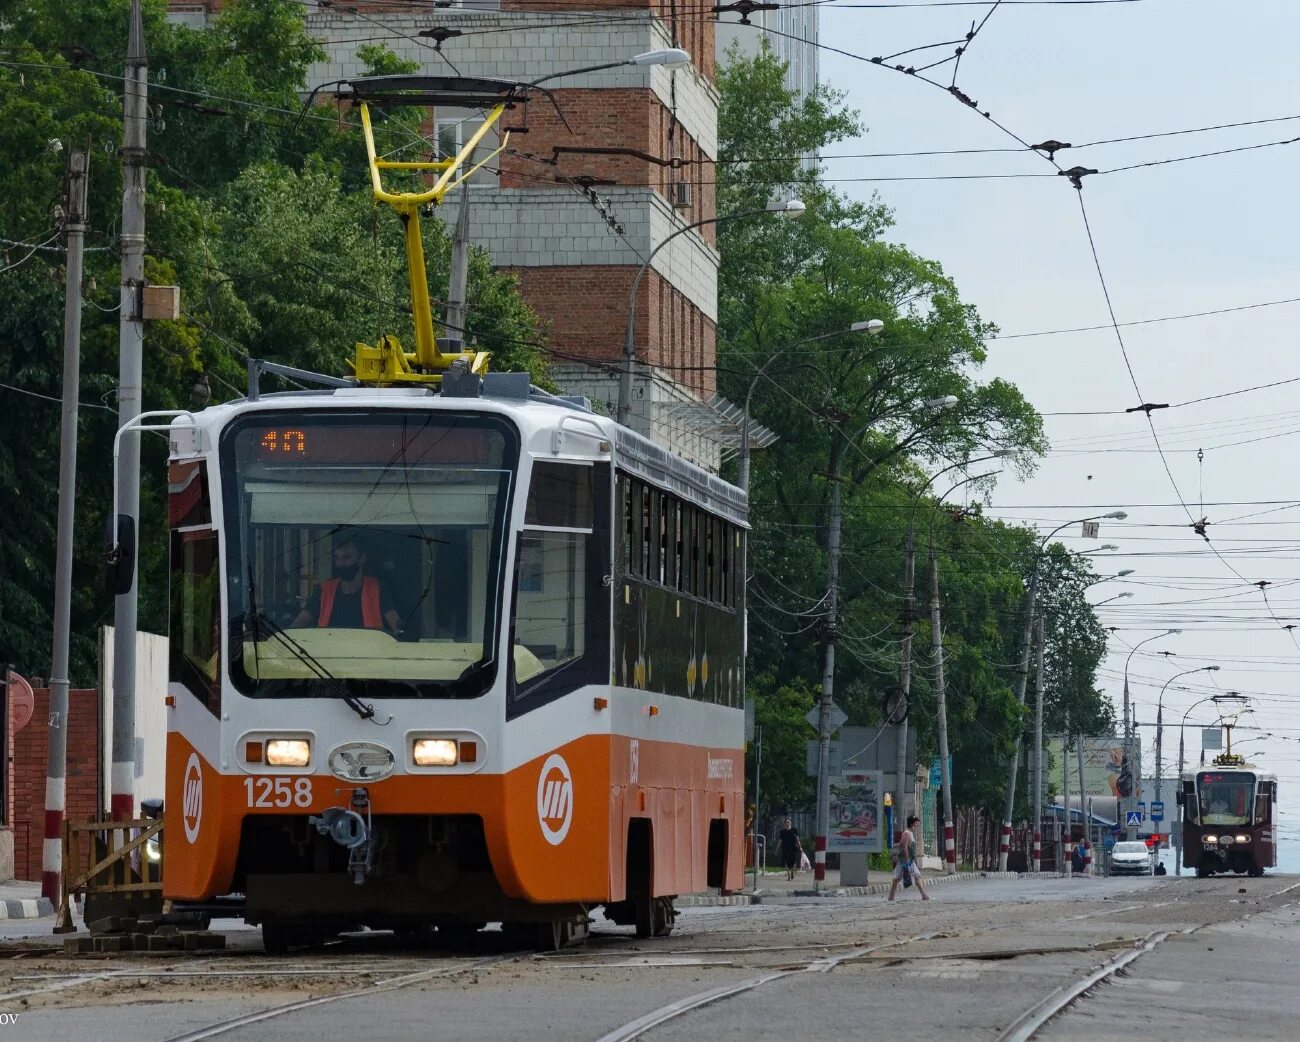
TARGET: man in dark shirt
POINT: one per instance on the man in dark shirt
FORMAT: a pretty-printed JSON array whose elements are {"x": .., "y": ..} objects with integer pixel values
[
  {"x": 351, "y": 599},
  {"x": 791, "y": 848}
]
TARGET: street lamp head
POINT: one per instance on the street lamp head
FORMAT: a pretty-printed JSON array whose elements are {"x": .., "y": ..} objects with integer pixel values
[
  {"x": 1212, "y": 669},
  {"x": 1118, "y": 596},
  {"x": 1117, "y": 515},
  {"x": 1124, "y": 571},
  {"x": 1108, "y": 546},
  {"x": 1172, "y": 632},
  {"x": 872, "y": 327},
  {"x": 671, "y": 57},
  {"x": 789, "y": 207},
  {"x": 1001, "y": 453},
  {"x": 946, "y": 401}
]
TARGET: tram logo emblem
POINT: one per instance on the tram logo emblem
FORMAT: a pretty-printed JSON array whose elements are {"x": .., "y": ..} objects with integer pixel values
[
  {"x": 361, "y": 761},
  {"x": 192, "y": 798},
  {"x": 555, "y": 799}
]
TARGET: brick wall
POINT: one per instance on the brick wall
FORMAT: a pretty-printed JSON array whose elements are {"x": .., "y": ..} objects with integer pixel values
[
  {"x": 30, "y": 755},
  {"x": 586, "y": 306},
  {"x": 607, "y": 118}
]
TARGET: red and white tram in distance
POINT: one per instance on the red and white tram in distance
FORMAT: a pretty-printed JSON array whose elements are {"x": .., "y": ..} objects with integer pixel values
[{"x": 445, "y": 659}]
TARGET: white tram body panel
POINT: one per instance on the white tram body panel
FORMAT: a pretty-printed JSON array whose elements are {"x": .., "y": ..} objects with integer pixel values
[{"x": 555, "y": 679}]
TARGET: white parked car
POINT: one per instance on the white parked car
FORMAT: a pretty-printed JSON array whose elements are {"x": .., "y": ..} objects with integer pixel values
[{"x": 1132, "y": 857}]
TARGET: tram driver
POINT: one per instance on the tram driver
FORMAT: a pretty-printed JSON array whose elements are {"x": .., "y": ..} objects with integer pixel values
[{"x": 351, "y": 599}]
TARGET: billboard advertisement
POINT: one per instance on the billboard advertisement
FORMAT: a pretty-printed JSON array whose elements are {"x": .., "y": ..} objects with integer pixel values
[
  {"x": 1107, "y": 771},
  {"x": 856, "y": 813}
]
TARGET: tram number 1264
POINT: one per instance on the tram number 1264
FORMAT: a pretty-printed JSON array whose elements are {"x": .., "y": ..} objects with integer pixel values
[{"x": 278, "y": 792}]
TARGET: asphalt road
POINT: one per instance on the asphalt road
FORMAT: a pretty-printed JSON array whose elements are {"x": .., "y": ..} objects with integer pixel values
[{"x": 965, "y": 965}]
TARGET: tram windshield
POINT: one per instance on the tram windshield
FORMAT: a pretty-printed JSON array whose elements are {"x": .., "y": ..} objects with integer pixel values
[
  {"x": 365, "y": 550},
  {"x": 1225, "y": 797}
]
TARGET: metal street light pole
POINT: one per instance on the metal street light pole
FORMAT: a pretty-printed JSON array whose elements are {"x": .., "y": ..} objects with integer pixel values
[
  {"x": 1131, "y": 831},
  {"x": 936, "y": 652},
  {"x": 1160, "y": 731},
  {"x": 792, "y": 207},
  {"x": 1022, "y": 679}
]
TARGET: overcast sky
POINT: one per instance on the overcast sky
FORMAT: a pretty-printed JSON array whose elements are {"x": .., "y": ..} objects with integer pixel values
[{"x": 1204, "y": 234}]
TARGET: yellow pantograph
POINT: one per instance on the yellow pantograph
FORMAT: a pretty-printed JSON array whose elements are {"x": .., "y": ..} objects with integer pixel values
[{"x": 386, "y": 362}]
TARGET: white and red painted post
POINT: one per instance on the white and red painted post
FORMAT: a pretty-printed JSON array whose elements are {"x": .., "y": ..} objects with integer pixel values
[
  {"x": 1036, "y": 861},
  {"x": 819, "y": 860},
  {"x": 949, "y": 847},
  {"x": 1004, "y": 846}
]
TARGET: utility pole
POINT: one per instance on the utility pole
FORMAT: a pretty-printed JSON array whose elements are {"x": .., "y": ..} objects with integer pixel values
[
  {"x": 1083, "y": 801},
  {"x": 829, "y": 634},
  {"x": 458, "y": 283},
  {"x": 1022, "y": 677},
  {"x": 1038, "y": 731},
  {"x": 941, "y": 698},
  {"x": 1123, "y": 803},
  {"x": 130, "y": 365},
  {"x": 904, "y": 682},
  {"x": 57, "y": 771},
  {"x": 1067, "y": 843}
]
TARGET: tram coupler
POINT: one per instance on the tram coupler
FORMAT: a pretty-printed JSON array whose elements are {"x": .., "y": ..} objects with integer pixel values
[{"x": 347, "y": 827}]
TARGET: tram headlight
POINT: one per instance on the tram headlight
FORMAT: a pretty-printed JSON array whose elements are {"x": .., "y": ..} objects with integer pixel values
[
  {"x": 435, "y": 752},
  {"x": 153, "y": 849},
  {"x": 1243, "y": 838},
  {"x": 288, "y": 752},
  {"x": 1209, "y": 839}
]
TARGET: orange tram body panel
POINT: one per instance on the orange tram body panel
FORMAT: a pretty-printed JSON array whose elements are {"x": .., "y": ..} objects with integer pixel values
[{"x": 544, "y": 714}]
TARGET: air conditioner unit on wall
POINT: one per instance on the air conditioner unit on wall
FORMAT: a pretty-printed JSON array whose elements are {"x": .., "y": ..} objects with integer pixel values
[{"x": 680, "y": 194}]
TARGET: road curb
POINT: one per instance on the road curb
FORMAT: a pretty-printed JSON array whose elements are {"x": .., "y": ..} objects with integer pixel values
[
  {"x": 711, "y": 900},
  {"x": 26, "y": 908}
]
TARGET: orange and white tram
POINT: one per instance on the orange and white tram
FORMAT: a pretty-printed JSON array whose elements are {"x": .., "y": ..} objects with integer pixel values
[
  {"x": 1229, "y": 818},
  {"x": 444, "y": 659}
]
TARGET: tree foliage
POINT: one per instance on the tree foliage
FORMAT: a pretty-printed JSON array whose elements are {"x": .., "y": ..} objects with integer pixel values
[{"x": 873, "y": 417}]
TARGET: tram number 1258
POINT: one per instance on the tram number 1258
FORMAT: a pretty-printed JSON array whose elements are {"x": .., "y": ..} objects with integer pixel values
[{"x": 278, "y": 792}]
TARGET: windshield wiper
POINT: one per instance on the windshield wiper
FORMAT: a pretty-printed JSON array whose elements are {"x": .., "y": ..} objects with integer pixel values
[{"x": 255, "y": 623}]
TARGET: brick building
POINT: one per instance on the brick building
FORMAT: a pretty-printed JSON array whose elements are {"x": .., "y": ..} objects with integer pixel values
[
  {"x": 576, "y": 227},
  {"x": 28, "y": 757}
]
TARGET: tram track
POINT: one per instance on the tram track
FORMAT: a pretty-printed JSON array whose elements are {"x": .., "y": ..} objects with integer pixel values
[{"x": 221, "y": 1027}]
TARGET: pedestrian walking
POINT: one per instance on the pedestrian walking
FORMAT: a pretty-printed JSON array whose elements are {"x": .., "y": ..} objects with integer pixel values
[
  {"x": 905, "y": 870},
  {"x": 791, "y": 848}
]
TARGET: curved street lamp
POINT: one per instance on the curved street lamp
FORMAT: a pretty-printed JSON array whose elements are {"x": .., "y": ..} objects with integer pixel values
[
  {"x": 1128, "y": 723},
  {"x": 1022, "y": 676},
  {"x": 790, "y": 207},
  {"x": 1160, "y": 726}
]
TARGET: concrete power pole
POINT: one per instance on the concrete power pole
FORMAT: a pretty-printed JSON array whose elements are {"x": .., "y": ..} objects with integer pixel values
[
  {"x": 1022, "y": 677},
  {"x": 57, "y": 772},
  {"x": 458, "y": 282},
  {"x": 941, "y": 698},
  {"x": 904, "y": 683},
  {"x": 1038, "y": 737},
  {"x": 130, "y": 365},
  {"x": 831, "y": 623},
  {"x": 1084, "y": 804},
  {"x": 1066, "y": 844}
]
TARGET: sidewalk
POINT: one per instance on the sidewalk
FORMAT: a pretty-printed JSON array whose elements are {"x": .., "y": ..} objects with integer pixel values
[
  {"x": 22, "y": 900},
  {"x": 772, "y": 886}
]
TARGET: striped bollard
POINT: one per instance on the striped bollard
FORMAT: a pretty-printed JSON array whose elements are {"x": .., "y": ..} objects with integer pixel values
[
  {"x": 819, "y": 859},
  {"x": 949, "y": 847},
  {"x": 1004, "y": 846},
  {"x": 1069, "y": 856},
  {"x": 1036, "y": 861},
  {"x": 52, "y": 845},
  {"x": 1087, "y": 859}
]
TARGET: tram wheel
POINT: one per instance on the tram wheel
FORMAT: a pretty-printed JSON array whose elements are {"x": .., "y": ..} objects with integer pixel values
[
  {"x": 275, "y": 939},
  {"x": 664, "y": 916},
  {"x": 1256, "y": 871}
]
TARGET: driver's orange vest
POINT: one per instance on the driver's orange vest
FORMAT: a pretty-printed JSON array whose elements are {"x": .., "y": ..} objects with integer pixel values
[{"x": 371, "y": 617}]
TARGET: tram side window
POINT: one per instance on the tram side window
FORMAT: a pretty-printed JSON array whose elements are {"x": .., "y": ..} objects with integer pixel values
[
  {"x": 194, "y": 657},
  {"x": 557, "y": 579},
  {"x": 1262, "y": 806}
]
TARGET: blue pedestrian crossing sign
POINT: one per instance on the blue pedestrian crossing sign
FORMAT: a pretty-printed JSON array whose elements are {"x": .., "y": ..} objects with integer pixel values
[
  {"x": 1133, "y": 818},
  {"x": 1157, "y": 810}
]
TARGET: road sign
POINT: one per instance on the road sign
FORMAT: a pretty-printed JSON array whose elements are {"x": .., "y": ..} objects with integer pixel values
[
  {"x": 1157, "y": 810},
  {"x": 936, "y": 774},
  {"x": 1091, "y": 529},
  {"x": 1133, "y": 819},
  {"x": 838, "y": 716}
]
